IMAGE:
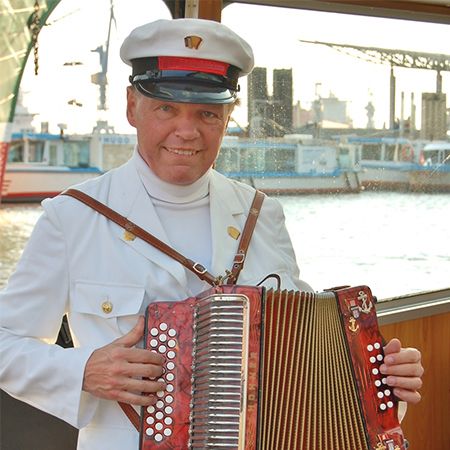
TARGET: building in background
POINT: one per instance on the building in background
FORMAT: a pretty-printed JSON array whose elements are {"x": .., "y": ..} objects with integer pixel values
[
  {"x": 434, "y": 116},
  {"x": 270, "y": 115}
]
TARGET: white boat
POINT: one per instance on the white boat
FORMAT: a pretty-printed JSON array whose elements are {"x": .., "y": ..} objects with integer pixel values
[
  {"x": 42, "y": 165},
  {"x": 284, "y": 166},
  {"x": 386, "y": 163},
  {"x": 433, "y": 175}
]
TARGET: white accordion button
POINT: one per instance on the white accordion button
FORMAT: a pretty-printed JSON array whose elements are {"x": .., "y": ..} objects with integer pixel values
[
  {"x": 377, "y": 345},
  {"x": 168, "y": 410},
  {"x": 170, "y": 377},
  {"x": 375, "y": 371},
  {"x": 150, "y": 420},
  {"x": 169, "y": 399},
  {"x": 387, "y": 392},
  {"x": 370, "y": 347},
  {"x": 149, "y": 431},
  {"x": 159, "y": 426},
  {"x": 163, "y": 337},
  {"x": 372, "y": 359},
  {"x": 382, "y": 406},
  {"x": 159, "y": 415},
  {"x": 163, "y": 326},
  {"x": 390, "y": 404},
  {"x": 168, "y": 421},
  {"x": 172, "y": 343},
  {"x": 170, "y": 365},
  {"x": 377, "y": 383},
  {"x": 162, "y": 349},
  {"x": 380, "y": 357},
  {"x": 172, "y": 332},
  {"x": 169, "y": 388},
  {"x": 158, "y": 437},
  {"x": 171, "y": 354},
  {"x": 150, "y": 409},
  {"x": 160, "y": 404},
  {"x": 380, "y": 395},
  {"x": 167, "y": 432}
]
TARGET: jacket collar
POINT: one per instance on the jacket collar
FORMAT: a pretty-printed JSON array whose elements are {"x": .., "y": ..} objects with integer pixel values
[{"x": 129, "y": 197}]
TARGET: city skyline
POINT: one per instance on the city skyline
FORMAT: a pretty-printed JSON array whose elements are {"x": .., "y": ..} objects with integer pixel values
[{"x": 276, "y": 42}]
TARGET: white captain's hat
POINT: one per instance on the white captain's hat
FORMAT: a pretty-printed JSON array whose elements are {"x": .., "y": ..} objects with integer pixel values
[{"x": 187, "y": 60}]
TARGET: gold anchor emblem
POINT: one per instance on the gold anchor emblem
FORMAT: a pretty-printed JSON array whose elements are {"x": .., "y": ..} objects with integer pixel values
[
  {"x": 365, "y": 307},
  {"x": 353, "y": 327},
  {"x": 380, "y": 446}
]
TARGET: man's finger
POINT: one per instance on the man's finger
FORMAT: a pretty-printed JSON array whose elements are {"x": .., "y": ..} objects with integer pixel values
[
  {"x": 393, "y": 346},
  {"x": 407, "y": 395}
]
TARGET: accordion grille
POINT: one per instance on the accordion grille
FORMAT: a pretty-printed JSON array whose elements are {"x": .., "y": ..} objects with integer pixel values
[
  {"x": 218, "y": 373},
  {"x": 309, "y": 399}
]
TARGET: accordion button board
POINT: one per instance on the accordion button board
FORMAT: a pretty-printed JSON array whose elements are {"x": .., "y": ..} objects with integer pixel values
[{"x": 250, "y": 369}]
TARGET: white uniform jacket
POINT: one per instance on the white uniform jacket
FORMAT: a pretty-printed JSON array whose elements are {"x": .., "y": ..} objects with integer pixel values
[{"x": 76, "y": 259}]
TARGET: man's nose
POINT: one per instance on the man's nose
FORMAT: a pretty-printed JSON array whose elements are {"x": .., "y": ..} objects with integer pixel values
[{"x": 187, "y": 129}]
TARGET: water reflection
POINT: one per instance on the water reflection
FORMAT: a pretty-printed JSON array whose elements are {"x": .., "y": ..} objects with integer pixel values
[
  {"x": 16, "y": 224},
  {"x": 397, "y": 243}
]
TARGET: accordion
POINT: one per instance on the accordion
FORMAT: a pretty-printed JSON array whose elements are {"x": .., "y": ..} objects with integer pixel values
[{"x": 250, "y": 368}]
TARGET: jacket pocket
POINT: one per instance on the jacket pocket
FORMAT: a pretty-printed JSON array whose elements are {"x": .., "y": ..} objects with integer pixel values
[{"x": 107, "y": 300}]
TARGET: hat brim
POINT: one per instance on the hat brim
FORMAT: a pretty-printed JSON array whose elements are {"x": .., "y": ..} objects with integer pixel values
[{"x": 182, "y": 92}]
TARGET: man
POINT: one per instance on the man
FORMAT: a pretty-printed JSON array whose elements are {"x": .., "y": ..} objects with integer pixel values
[{"x": 183, "y": 88}]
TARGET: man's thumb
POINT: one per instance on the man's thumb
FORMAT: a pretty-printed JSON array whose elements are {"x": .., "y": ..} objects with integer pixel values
[{"x": 133, "y": 336}]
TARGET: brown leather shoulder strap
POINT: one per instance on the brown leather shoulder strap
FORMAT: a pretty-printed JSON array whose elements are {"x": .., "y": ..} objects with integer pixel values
[
  {"x": 136, "y": 230},
  {"x": 239, "y": 258},
  {"x": 132, "y": 415}
]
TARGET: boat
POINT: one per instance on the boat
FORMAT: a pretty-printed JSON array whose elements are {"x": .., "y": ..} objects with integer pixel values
[
  {"x": 386, "y": 162},
  {"x": 42, "y": 165},
  {"x": 281, "y": 166},
  {"x": 433, "y": 175}
]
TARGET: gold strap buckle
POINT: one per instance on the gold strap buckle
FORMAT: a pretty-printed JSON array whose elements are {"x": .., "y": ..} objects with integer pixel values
[
  {"x": 239, "y": 258},
  {"x": 199, "y": 268}
]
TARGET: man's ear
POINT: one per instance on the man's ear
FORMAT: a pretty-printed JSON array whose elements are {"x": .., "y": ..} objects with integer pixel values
[{"x": 131, "y": 105}]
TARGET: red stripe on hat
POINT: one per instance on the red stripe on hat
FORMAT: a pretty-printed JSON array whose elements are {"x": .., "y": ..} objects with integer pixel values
[{"x": 201, "y": 65}]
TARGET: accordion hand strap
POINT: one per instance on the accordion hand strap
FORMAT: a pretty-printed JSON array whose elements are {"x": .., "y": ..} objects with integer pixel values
[{"x": 136, "y": 230}]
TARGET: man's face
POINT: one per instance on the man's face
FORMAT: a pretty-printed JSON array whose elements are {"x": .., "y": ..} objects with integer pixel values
[{"x": 178, "y": 141}]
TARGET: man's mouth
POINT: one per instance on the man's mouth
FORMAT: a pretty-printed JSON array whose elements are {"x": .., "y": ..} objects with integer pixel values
[{"x": 182, "y": 151}]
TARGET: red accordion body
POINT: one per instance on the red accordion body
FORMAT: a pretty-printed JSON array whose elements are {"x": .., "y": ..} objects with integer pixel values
[{"x": 255, "y": 369}]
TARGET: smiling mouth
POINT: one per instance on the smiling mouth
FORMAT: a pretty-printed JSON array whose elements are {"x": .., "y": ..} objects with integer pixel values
[{"x": 182, "y": 151}]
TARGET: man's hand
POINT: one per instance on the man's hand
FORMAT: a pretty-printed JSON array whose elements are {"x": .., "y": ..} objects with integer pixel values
[
  {"x": 404, "y": 370},
  {"x": 118, "y": 371}
]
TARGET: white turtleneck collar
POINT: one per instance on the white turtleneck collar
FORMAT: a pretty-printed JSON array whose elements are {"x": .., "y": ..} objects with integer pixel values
[{"x": 168, "y": 192}]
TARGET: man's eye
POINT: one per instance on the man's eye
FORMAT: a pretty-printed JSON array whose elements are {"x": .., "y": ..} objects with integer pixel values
[
  {"x": 165, "y": 108},
  {"x": 210, "y": 115}
]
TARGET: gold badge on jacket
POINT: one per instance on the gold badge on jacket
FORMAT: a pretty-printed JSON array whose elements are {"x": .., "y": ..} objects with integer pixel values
[
  {"x": 233, "y": 232},
  {"x": 128, "y": 236}
]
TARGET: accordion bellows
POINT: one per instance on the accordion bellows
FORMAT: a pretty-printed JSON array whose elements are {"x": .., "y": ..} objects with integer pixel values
[{"x": 255, "y": 369}]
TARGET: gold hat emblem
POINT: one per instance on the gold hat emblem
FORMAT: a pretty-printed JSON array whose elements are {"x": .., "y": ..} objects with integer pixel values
[{"x": 193, "y": 42}]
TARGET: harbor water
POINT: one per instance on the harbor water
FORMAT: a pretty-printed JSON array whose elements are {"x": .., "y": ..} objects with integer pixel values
[{"x": 396, "y": 243}]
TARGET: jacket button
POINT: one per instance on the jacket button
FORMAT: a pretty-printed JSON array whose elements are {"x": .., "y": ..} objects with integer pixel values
[{"x": 107, "y": 306}]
